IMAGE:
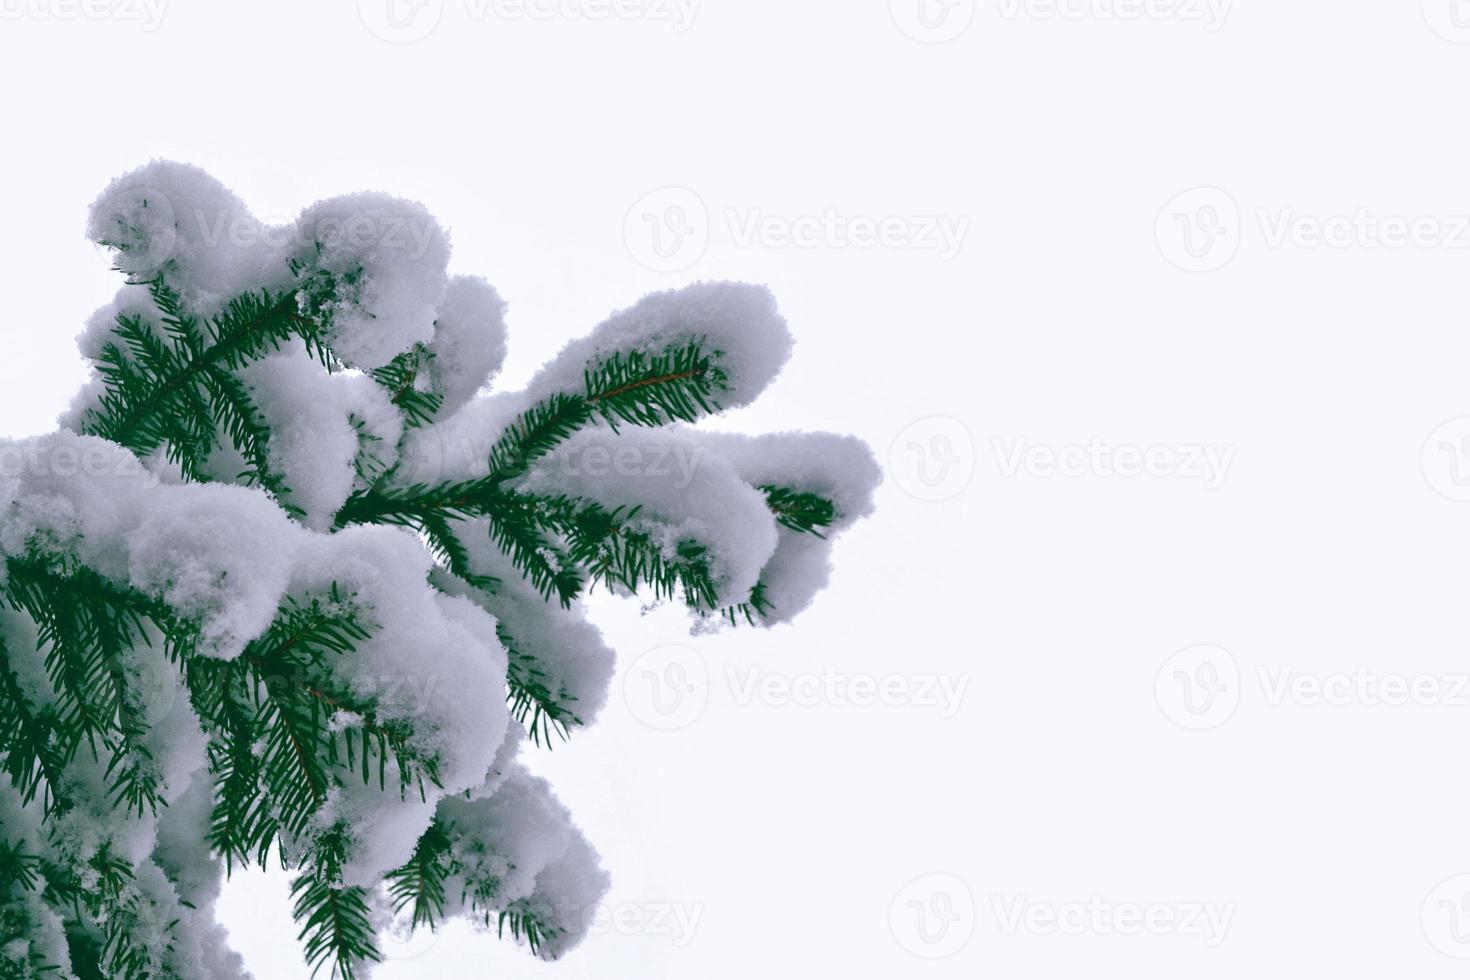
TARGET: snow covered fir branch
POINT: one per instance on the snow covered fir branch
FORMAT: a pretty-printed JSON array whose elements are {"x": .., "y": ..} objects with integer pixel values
[{"x": 288, "y": 587}]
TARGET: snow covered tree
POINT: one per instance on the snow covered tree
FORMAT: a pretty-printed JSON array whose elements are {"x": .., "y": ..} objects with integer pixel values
[{"x": 285, "y": 587}]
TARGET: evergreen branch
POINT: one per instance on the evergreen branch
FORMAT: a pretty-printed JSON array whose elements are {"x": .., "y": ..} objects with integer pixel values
[
  {"x": 522, "y": 923},
  {"x": 677, "y": 385},
  {"x": 20, "y": 880},
  {"x": 634, "y": 387},
  {"x": 621, "y": 554},
  {"x": 369, "y": 467},
  {"x": 411, "y": 507},
  {"x": 751, "y": 610},
  {"x": 18, "y": 870},
  {"x": 178, "y": 394},
  {"x": 335, "y": 920},
  {"x": 420, "y": 882},
  {"x": 28, "y": 740},
  {"x": 540, "y": 710},
  {"x": 517, "y": 528},
  {"x": 278, "y": 741},
  {"x": 234, "y": 412},
  {"x": 446, "y": 546},
  {"x": 88, "y": 625},
  {"x": 808, "y": 513},
  {"x": 400, "y": 377},
  {"x": 536, "y": 432},
  {"x": 104, "y": 910}
]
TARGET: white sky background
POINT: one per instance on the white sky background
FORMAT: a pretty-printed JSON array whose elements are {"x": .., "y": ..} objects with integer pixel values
[{"x": 1321, "y": 830}]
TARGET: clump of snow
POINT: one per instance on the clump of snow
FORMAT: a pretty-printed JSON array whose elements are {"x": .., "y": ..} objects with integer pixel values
[
  {"x": 683, "y": 494},
  {"x": 518, "y": 850},
  {"x": 738, "y": 320},
  {"x": 326, "y": 430},
  {"x": 838, "y": 468},
  {"x": 219, "y": 555},
  {"x": 383, "y": 263},
  {"x": 469, "y": 341},
  {"x": 457, "y": 446},
  {"x": 573, "y": 661},
  {"x": 175, "y": 221},
  {"x": 431, "y": 661}
]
